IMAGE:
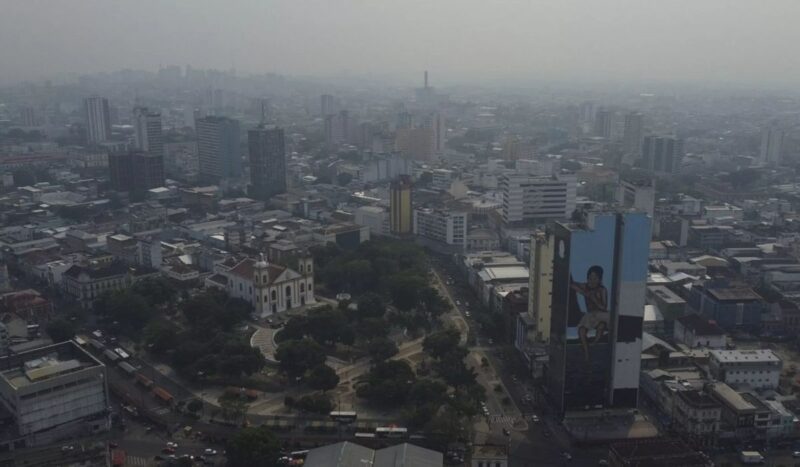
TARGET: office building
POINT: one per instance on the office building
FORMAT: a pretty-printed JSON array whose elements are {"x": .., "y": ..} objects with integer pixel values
[
  {"x": 147, "y": 131},
  {"x": 772, "y": 140},
  {"x": 337, "y": 128},
  {"x": 632, "y": 134},
  {"x": 444, "y": 226},
  {"x": 136, "y": 171},
  {"x": 218, "y": 148},
  {"x": 541, "y": 284},
  {"x": 436, "y": 123},
  {"x": 401, "y": 220},
  {"x": 639, "y": 195},
  {"x": 98, "y": 119},
  {"x": 54, "y": 392},
  {"x": 530, "y": 199},
  {"x": 603, "y": 122},
  {"x": 599, "y": 280},
  {"x": 661, "y": 154},
  {"x": 757, "y": 368},
  {"x": 267, "y": 151}
]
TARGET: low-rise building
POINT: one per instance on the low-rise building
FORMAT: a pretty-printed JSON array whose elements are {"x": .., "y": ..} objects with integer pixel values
[
  {"x": 758, "y": 369},
  {"x": 695, "y": 331},
  {"x": 697, "y": 415},
  {"x": 347, "y": 454},
  {"x": 53, "y": 392},
  {"x": 86, "y": 283},
  {"x": 655, "y": 452},
  {"x": 443, "y": 226},
  {"x": 729, "y": 306}
]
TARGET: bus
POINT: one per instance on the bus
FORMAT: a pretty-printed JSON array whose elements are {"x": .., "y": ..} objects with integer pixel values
[
  {"x": 363, "y": 435},
  {"x": 127, "y": 367},
  {"x": 345, "y": 417},
  {"x": 391, "y": 432},
  {"x": 144, "y": 380},
  {"x": 122, "y": 353},
  {"x": 162, "y": 394},
  {"x": 110, "y": 355}
]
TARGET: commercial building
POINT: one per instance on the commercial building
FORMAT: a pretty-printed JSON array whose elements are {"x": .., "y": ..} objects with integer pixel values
[
  {"x": 697, "y": 415},
  {"x": 661, "y": 154},
  {"x": 443, "y": 226},
  {"x": 136, "y": 171},
  {"x": 639, "y": 195},
  {"x": 218, "y": 147},
  {"x": 401, "y": 217},
  {"x": 603, "y": 122},
  {"x": 98, "y": 119},
  {"x": 53, "y": 392},
  {"x": 729, "y": 306},
  {"x": 415, "y": 143},
  {"x": 632, "y": 134},
  {"x": 772, "y": 146},
  {"x": 87, "y": 283},
  {"x": 374, "y": 217},
  {"x": 599, "y": 280},
  {"x": 530, "y": 199},
  {"x": 269, "y": 288},
  {"x": 758, "y": 369},
  {"x": 147, "y": 131},
  {"x": 267, "y": 152}
]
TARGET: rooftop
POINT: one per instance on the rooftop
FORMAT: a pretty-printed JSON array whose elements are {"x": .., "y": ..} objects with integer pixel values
[
  {"x": 700, "y": 326},
  {"x": 43, "y": 363},
  {"x": 750, "y": 356},
  {"x": 734, "y": 294}
]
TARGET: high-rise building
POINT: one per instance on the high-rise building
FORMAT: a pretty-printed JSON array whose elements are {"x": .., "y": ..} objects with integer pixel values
[
  {"x": 136, "y": 171},
  {"x": 445, "y": 226},
  {"x": 98, "y": 119},
  {"x": 416, "y": 143},
  {"x": 603, "y": 122},
  {"x": 597, "y": 311},
  {"x": 218, "y": 147},
  {"x": 436, "y": 123},
  {"x": 28, "y": 116},
  {"x": 147, "y": 126},
  {"x": 772, "y": 146},
  {"x": 400, "y": 210},
  {"x": 661, "y": 154},
  {"x": 535, "y": 198},
  {"x": 541, "y": 284},
  {"x": 267, "y": 151},
  {"x": 337, "y": 128},
  {"x": 632, "y": 134},
  {"x": 639, "y": 195},
  {"x": 327, "y": 105}
]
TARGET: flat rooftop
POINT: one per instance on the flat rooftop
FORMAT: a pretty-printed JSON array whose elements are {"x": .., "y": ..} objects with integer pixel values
[
  {"x": 44, "y": 363},
  {"x": 745, "y": 356},
  {"x": 737, "y": 294}
]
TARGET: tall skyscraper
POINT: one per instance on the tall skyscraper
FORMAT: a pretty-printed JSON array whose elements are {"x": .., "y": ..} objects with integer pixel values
[
  {"x": 98, "y": 119},
  {"x": 337, "y": 128},
  {"x": 599, "y": 281},
  {"x": 148, "y": 135},
  {"x": 772, "y": 146},
  {"x": 530, "y": 199},
  {"x": 603, "y": 121},
  {"x": 541, "y": 283},
  {"x": 401, "y": 214},
  {"x": 661, "y": 154},
  {"x": 416, "y": 143},
  {"x": 218, "y": 147},
  {"x": 267, "y": 153},
  {"x": 632, "y": 134},
  {"x": 437, "y": 124}
]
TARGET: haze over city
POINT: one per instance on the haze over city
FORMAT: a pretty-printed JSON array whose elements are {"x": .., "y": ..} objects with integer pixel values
[{"x": 465, "y": 42}]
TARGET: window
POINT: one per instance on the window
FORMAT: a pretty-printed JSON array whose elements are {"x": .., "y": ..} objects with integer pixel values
[
  {"x": 274, "y": 295},
  {"x": 288, "y": 290},
  {"x": 302, "y": 287},
  {"x": 264, "y": 279},
  {"x": 241, "y": 287},
  {"x": 301, "y": 268}
]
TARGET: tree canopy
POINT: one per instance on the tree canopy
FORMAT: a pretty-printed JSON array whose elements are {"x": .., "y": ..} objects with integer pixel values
[{"x": 253, "y": 446}]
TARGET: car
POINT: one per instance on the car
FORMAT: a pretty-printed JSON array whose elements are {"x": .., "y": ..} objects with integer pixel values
[
  {"x": 168, "y": 450},
  {"x": 535, "y": 418},
  {"x": 210, "y": 452},
  {"x": 67, "y": 448},
  {"x": 172, "y": 445},
  {"x": 112, "y": 445},
  {"x": 566, "y": 455},
  {"x": 458, "y": 303},
  {"x": 491, "y": 341},
  {"x": 466, "y": 313},
  {"x": 796, "y": 454}
]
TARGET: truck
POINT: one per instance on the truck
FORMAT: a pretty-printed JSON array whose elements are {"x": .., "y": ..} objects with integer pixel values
[{"x": 751, "y": 457}]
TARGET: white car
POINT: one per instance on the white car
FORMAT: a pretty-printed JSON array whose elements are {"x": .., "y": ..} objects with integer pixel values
[
  {"x": 172, "y": 445},
  {"x": 210, "y": 452}
]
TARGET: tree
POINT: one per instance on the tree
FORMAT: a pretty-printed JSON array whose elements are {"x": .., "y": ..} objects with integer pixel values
[
  {"x": 254, "y": 446},
  {"x": 319, "y": 403},
  {"x": 387, "y": 383},
  {"x": 194, "y": 405},
  {"x": 233, "y": 409},
  {"x": 298, "y": 356},
  {"x": 128, "y": 308},
  {"x": 60, "y": 330},
  {"x": 370, "y": 305},
  {"x": 441, "y": 343},
  {"x": 322, "y": 378},
  {"x": 157, "y": 292},
  {"x": 381, "y": 349},
  {"x": 405, "y": 289}
]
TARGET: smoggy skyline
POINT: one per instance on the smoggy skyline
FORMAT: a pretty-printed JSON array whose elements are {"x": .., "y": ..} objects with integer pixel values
[{"x": 470, "y": 41}]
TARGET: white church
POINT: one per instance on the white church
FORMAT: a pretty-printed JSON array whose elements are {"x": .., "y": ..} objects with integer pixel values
[{"x": 270, "y": 288}]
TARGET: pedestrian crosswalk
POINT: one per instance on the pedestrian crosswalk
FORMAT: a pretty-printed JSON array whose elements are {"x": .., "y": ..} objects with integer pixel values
[
  {"x": 507, "y": 420},
  {"x": 138, "y": 461}
]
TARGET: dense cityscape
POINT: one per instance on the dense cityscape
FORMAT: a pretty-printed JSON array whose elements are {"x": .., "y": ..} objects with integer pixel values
[{"x": 203, "y": 266}]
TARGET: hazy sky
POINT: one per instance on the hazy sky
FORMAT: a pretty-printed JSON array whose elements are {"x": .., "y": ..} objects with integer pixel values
[{"x": 457, "y": 40}]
